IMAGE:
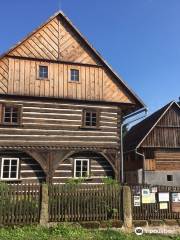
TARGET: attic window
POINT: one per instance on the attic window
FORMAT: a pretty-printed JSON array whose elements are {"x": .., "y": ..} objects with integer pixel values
[
  {"x": 74, "y": 75},
  {"x": 43, "y": 72}
]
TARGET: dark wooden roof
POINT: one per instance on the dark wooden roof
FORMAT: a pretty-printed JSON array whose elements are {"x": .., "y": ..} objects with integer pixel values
[{"x": 140, "y": 131}]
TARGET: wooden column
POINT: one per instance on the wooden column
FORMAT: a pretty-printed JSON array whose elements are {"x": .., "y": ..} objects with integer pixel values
[{"x": 49, "y": 176}]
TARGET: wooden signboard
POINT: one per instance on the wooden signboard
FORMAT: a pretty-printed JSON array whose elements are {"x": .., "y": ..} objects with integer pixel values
[{"x": 175, "y": 207}]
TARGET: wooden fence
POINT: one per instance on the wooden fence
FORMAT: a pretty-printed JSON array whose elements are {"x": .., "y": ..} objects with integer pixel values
[
  {"x": 148, "y": 211},
  {"x": 76, "y": 203},
  {"x": 19, "y": 203}
]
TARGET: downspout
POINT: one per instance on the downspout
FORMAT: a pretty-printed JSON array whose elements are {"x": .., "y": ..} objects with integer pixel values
[
  {"x": 122, "y": 125},
  {"x": 143, "y": 170}
]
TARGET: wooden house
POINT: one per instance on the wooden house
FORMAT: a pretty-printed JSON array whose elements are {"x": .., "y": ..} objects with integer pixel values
[
  {"x": 152, "y": 148},
  {"x": 61, "y": 107}
]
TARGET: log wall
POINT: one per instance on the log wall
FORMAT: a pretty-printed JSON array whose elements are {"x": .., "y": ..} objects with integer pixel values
[{"x": 56, "y": 123}]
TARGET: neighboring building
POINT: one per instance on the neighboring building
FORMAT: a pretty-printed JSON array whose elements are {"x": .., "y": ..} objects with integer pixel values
[
  {"x": 61, "y": 107},
  {"x": 152, "y": 148}
]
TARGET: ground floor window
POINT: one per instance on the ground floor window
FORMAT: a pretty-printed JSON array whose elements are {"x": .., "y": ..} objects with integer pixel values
[
  {"x": 9, "y": 168},
  {"x": 81, "y": 168}
]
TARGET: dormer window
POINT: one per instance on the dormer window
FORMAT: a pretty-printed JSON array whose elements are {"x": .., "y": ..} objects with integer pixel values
[
  {"x": 74, "y": 75},
  {"x": 11, "y": 115},
  {"x": 43, "y": 72}
]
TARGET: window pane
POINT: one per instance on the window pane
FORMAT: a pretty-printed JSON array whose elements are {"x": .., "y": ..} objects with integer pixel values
[
  {"x": 6, "y": 162},
  {"x": 7, "y": 120},
  {"x": 94, "y": 115},
  {"x": 7, "y": 114},
  {"x": 8, "y": 109},
  {"x": 5, "y": 174},
  {"x": 13, "y": 162},
  {"x": 15, "y": 114},
  {"x": 14, "y": 168},
  {"x": 88, "y": 123},
  {"x": 13, "y": 175},
  {"x": 6, "y": 168},
  {"x": 78, "y": 166},
  {"x": 84, "y": 166},
  {"x": 78, "y": 174},
  {"x": 14, "y": 120},
  {"x": 84, "y": 174}
]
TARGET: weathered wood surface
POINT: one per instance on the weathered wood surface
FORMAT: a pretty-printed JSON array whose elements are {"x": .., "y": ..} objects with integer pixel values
[
  {"x": 19, "y": 204},
  {"x": 46, "y": 123},
  {"x": 167, "y": 160},
  {"x": 166, "y": 133},
  {"x": 95, "y": 83},
  {"x": 59, "y": 46},
  {"x": 84, "y": 203},
  {"x": 100, "y": 168},
  {"x": 55, "y": 40}
]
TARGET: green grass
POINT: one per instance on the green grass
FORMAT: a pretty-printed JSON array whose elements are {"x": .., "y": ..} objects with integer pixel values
[{"x": 68, "y": 232}]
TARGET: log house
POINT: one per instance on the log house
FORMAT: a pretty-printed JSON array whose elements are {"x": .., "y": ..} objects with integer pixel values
[
  {"x": 61, "y": 107},
  {"x": 152, "y": 148}
]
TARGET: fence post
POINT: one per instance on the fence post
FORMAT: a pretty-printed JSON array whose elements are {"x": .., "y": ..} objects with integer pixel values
[
  {"x": 44, "y": 213},
  {"x": 127, "y": 207}
]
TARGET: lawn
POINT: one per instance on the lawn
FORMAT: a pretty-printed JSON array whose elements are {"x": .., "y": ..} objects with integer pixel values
[{"x": 68, "y": 232}]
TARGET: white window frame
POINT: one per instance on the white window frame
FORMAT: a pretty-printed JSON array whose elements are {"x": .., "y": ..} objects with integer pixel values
[
  {"x": 81, "y": 160},
  {"x": 2, "y": 166}
]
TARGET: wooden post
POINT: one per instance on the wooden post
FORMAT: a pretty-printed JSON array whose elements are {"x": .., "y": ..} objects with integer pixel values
[
  {"x": 127, "y": 207},
  {"x": 44, "y": 214}
]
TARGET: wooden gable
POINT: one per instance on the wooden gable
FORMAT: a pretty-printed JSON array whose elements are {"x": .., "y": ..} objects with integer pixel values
[
  {"x": 56, "y": 40},
  {"x": 166, "y": 132},
  {"x": 60, "y": 46}
]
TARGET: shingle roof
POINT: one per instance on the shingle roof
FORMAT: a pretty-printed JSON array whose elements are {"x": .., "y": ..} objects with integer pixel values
[{"x": 137, "y": 133}]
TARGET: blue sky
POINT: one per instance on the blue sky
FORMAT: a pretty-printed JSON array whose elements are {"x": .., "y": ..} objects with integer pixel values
[{"x": 140, "y": 39}]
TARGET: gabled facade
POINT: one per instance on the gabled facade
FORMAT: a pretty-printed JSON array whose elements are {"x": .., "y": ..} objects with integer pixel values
[
  {"x": 152, "y": 148},
  {"x": 61, "y": 107}
]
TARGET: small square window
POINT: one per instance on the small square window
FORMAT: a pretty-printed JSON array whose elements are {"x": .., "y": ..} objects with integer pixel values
[
  {"x": 43, "y": 72},
  {"x": 11, "y": 115},
  {"x": 9, "y": 168},
  {"x": 90, "y": 118},
  {"x": 74, "y": 75},
  {"x": 81, "y": 168},
  {"x": 169, "y": 178}
]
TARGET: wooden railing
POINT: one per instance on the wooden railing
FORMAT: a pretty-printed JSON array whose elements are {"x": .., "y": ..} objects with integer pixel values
[
  {"x": 19, "y": 203},
  {"x": 76, "y": 203}
]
